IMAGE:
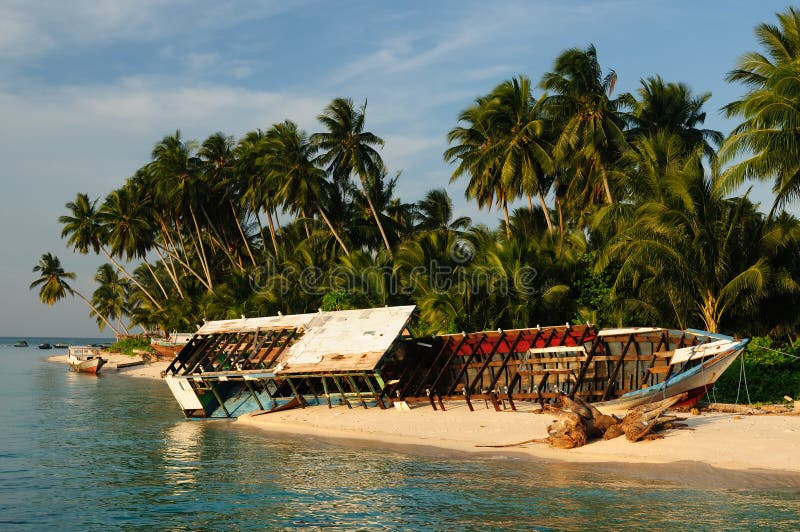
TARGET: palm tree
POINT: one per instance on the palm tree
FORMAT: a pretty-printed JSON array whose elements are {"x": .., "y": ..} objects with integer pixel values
[
  {"x": 671, "y": 108},
  {"x": 178, "y": 189},
  {"x": 435, "y": 211},
  {"x": 54, "y": 286},
  {"x": 346, "y": 148},
  {"x": 258, "y": 187},
  {"x": 590, "y": 123},
  {"x": 218, "y": 160},
  {"x": 691, "y": 253},
  {"x": 518, "y": 140},
  {"x": 84, "y": 230},
  {"x": 109, "y": 297},
  {"x": 302, "y": 186},
  {"x": 472, "y": 150},
  {"x": 770, "y": 110}
]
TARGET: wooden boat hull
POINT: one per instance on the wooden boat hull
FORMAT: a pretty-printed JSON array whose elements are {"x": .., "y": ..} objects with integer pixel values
[
  {"x": 91, "y": 365},
  {"x": 695, "y": 382}
]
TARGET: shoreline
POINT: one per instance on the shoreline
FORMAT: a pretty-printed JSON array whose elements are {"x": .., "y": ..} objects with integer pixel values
[
  {"x": 724, "y": 448},
  {"x": 720, "y": 449},
  {"x": 148, "y": 370}
]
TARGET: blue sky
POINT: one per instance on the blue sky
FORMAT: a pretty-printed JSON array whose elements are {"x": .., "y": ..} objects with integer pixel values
[{"x": 88, "y": 87}]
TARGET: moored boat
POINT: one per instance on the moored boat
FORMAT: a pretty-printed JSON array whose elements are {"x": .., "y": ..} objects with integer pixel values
[
  {"x": 21, "y": 343},
  {"x": 85, "y": 359},
  {"x": 167, "y": 348},
  {"x": 60, "y": 346},
  {"x": 45, "y": 346}
]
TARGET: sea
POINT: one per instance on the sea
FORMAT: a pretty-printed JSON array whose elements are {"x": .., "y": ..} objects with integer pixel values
[{"x": 83, "y": 452}]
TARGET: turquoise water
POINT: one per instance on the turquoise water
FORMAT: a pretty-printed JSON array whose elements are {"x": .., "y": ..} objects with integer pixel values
[{"x": 79, "y": 452}]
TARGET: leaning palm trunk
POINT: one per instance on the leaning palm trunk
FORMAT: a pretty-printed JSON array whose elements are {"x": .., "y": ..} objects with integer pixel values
[
  {"x": 156, "y": 279},
  {"x": 132, "y": 278},
  {"x": 173, "y": 255},
  {"x": 116, "y": 331},
  {"x": 272, "y": 232},
  {"x": 222, "y": 243},
  {"x": 544, "y": 210},
  {"x": 508, "y": 222},
  {"x": 200, "y": 248},
  {"x": 241, "y": 232},
  {"x": 377, "y": 219},
  {"x": 333, "y": 231},
  {"x": 169, "y": 265}
]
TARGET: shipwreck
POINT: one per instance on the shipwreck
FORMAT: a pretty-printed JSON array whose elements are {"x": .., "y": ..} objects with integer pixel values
[{"x": 369, "y": 358}]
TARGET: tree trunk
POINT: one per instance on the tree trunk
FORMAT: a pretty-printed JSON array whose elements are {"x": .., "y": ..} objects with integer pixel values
[
  {"x": 241, "y": 232},
  {"x": 560, "y": 216},
  {"x": 170, "y": 267},
  {"x": 335, "y": 234},
  {"x": 116, "y": 331},
  {"x": 545, "y": 211},
  {"x": 174, "y": 254},
  {"x": 131, "y": 277},
  {"x": 201, "y": 250},
  {"x": 261, "y": 231},
  {"x": 508, "y": 223},
  {"x": 375, "y": 215},
  {"x": 156, "y": 279},
  {"x": 272, "y": 232},
  {"x": 708, "y": 311}
]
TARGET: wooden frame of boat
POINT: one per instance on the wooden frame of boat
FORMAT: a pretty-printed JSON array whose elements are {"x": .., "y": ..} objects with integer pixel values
[
  {"x": 85, "y": 359},
  {"x": 368, "y": 357}
]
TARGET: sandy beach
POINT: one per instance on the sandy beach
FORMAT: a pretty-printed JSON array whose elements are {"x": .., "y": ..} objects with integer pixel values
[
  {"x": 755, "y": 443},
  {"x": 149, "y": 370},
  {"x": 764, "y": 443}
]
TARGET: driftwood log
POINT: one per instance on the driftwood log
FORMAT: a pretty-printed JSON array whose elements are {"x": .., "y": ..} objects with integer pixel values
[{"x": 578, "y": 422}]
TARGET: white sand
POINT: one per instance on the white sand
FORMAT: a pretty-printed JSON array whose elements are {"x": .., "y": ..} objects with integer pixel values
[
  {"x": 729, "y": 441},
  {"x": 150, "y": 370}
]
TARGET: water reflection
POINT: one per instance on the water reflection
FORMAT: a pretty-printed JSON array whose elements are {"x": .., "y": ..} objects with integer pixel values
[{"x": 181, "y": 454}]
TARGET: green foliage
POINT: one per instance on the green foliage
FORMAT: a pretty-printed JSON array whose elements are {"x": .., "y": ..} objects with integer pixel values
[
  {"x": 344, "y": 300},
  {"x": 770, "y": 375},
  {"x": 128, "y": 345}
]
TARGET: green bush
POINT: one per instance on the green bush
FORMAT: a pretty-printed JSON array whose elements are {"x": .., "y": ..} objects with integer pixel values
[
  {"x": 126, "y": 346},
  {"x": 770, "y": 375}
]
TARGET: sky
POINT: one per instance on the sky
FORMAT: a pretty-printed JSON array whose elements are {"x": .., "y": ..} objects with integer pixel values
[{"x": 87, "y": 88}]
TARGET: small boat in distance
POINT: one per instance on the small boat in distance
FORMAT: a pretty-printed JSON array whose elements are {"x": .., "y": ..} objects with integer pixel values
[
  {"x": 85, "y": 359},
  {"x": 45, "y": 346},
  {"x": 21, "y": 343},
  {"x": 60, "y": 346}
]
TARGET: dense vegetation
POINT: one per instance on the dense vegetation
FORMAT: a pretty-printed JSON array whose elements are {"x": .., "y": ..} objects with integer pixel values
[{"x": 628, "y": 214}]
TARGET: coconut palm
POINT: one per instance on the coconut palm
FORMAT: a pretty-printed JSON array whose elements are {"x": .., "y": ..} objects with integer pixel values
[
  {"x": 54, "y": 287},
  {"x": 518, "y": 141},
  {"x": 302, "y": 186},
  {"x": 692, "y": 254},
  {"x": 471, "y": 149},
  {"x": 435, "y": 211},
  {"x": 346, "y": 148},
  {"x": 84, "y": 230},
  {"x": 179, "y": 190},
  {"x": 109, "y": 297},
  {"x": 259, "y": 189},
  {"x": 217, "y": 164},
  {"x": 672, "y": 108},
  {"x": 590, "y": 123},
  {"x": 770, "y": 109}
]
